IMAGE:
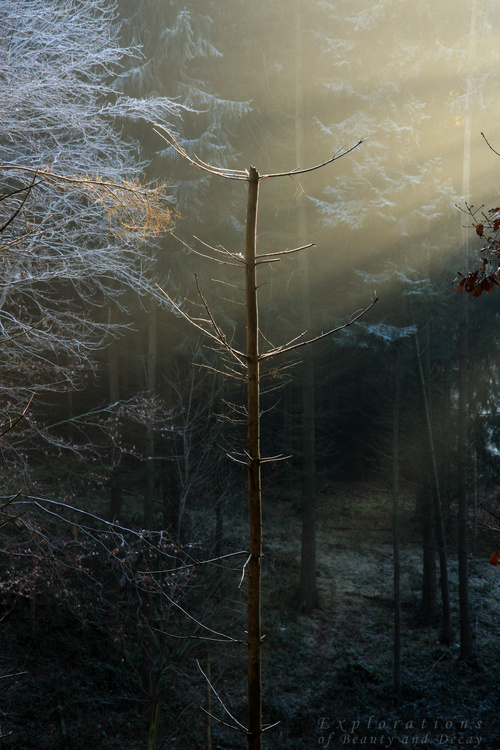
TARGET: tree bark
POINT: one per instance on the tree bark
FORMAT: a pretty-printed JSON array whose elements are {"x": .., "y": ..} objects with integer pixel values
[
  {"x": 396, "y": 538},
  {"x": 149, "y": 488},
  {"x": 208, "y": 705},
  {"x": 254, "y": 473},
  {"x": 446, "y": 434},
  {"x": 447, "y": 628},
  {"x": 308, "y": 597},
  {"x": 115, "y": 509},
  {"x": 428, "y": 610},
  {"x": 463, "y": 552}
]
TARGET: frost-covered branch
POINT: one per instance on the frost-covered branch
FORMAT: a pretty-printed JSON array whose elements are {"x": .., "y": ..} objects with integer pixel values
[{"x": 80, "y": 224}]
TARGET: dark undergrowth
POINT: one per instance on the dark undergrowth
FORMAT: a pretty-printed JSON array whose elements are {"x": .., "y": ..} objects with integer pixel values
[{"x": 69, "y": 682}]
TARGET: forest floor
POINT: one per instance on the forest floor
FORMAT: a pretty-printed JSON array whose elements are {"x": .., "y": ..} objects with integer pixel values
[
  {"x": 327, "y": 679},
  {"x": 345, "y": 650}
]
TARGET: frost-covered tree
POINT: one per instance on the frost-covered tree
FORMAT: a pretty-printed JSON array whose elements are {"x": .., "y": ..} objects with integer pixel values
[{"x": 78, "y": 226}]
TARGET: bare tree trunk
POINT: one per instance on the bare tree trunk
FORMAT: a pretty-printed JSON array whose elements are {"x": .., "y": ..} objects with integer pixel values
[
  {"x": 254, "y": 471},
  {"x": 208, "y": 706},
  {"x": 447, "y": 628},
  {"x": 428, "y": 610},
  {"x": 149, "y": 489},
  {"x": 287, "y": 431},
  {"x": 445, "y": 470},
  {"x": 463, "y": 553},
  {"x": 475, "y": 503},
  {"x": 115, "y": 510},
  {"x": 308, "y": 597},
  {"x": 219, "y": 526},
  {"x": 251, "y": 358},
  {"x": 155, "y": 684},
  {"x": 396, "y": 539}
]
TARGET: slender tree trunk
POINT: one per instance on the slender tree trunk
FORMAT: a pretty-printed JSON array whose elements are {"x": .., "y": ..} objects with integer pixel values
[
  {"x": 357, "y": 470},
  {"x": 149, "y": 489},
  {"x": 69, "y": 408},
  {"x": 155, "y": 685},
  {"x": 147, "y": 667},
  {"x": 463, "y": 544},
  {"x": 287, "y": 429},
  {"x": 475, "y": 503},
  {"x": 208, "y": 706},
  {"x": 463, "y": 552},
  {"x": 447, "y": 628},
  {"x": 219, "y": 526},
  {"x": 115, "y": 507},
  {"x": 254, "y": 472},
  {"x": 428, "y": 610},
  {"x": 396, "y": 538},
  {"x": 115, "y": 510},
  {"x": 308, "y": 597},
  {"x": 185, "y": 462},
  {"x": 445, "y": 471},
  {"x": 113, "y": 370}
]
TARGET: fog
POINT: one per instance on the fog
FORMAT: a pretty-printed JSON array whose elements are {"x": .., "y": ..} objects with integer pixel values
[
  {"x": 123, "y": 518},
  {"x": 417, "y": 84}
]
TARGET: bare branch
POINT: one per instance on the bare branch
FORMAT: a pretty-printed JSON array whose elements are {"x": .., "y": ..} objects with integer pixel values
[
  {"x": 489, "y": 145},
  {"x": 228, "y": 712},
  {"x": 298, "y": 170},
  {"x": 8, "y": 676},
  {"x": 229, "y": 174},
  {"x": 223, "y": 723},
  {"x": 13, "y": 423},
  {"x": 28, "y": 190},
  {"x": 352, "y": 319},
  {"x": 199, "y": 563},
  {"x": 238, "y": 257},
  {"x": 243, "y": 571},
  {"x": 489, "y": 511},
  {"x": 218, "y": 330},
  {"x": 74, "y": 179},
  {"x": 224, "y": 638},
  {"x": 218, "y": 336},
  {"x": 23, "y": 332},
  {"x": 275, "y": 459},
  {"x": 270, "y": 726},
  {"x": 266, "y": 257},
  {"x": 204, "y": 255}
]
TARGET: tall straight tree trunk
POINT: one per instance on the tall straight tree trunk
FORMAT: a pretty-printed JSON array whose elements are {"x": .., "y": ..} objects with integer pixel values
[
  {"x": 446, "y": 435},
  {"x": 149, "y": 488},
  {"x": 447, "y": 629},
  {"x": 115, "y": 509},
  {"x": 396, "y": 536},
  {"x": 287, "y": 430},
  {"x": 154, "y": 683},
  {"x": 428, "y": 610},
  {"x": 254, "y": 473},
  {"x": 463, "y": 552},
  {"x": 308, "y": 597},
  {"x": 150, "y": 681}
]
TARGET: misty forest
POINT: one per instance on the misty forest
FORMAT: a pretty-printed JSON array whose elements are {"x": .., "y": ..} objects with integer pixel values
[{"x": 250, "y": 374}]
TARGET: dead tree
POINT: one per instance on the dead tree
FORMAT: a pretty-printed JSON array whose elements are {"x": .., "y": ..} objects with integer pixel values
[{"x": 246, "y": 364}]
